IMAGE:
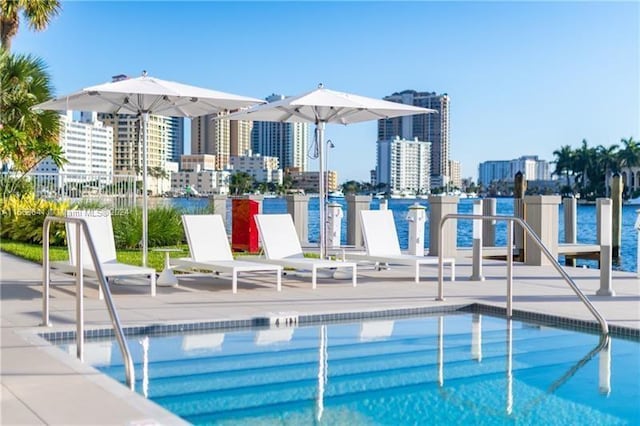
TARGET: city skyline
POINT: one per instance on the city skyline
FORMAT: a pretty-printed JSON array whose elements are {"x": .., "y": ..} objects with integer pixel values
[{"x": 523, "y": 78}]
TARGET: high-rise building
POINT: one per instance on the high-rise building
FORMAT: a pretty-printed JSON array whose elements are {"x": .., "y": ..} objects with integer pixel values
[
  {"x": 432, "y": 128},
  {"x": 403, "y": 165},
  {"x": 286, "y": 141},
  {"x": 455, "y": 174},
  {"x": 175, "y": 138},
  {"x": 88, "y": 147},
  {"x": 212, "y": 136},
  {"x": 240, "y": 134},
  {"x": 222, "y": 138}
]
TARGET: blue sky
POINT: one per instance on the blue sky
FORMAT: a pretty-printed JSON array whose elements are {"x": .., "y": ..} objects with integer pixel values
[{"x": 524, "y": 78}]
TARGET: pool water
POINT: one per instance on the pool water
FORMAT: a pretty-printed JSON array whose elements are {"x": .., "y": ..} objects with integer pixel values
[{"x": 454, "y": 369}]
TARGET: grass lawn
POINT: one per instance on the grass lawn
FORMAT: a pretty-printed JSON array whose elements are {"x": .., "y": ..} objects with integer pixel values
[{"x": 33, "y": 252}]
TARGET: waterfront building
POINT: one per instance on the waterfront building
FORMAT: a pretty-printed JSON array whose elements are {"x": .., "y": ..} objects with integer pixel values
[
  {"x": 404, "y": 165},
  {"x": 286, "y": 141},
  {"x": 193, "y": 162},
  {"x": 455, "y": 174},
  {"x": 262, "y": 168},
  {"x": 310, "y": 181},
  {"x": 204, "y": 182},
  {"x": 504, "y": 170},
  {"x": 432, "y": 128},
  {"x": 630, "y": 178},
  {"x": 87, "y": 145}
]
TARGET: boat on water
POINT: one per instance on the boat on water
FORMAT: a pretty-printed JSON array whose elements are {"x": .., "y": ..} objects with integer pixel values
[
  {"x": 334, "y": 195},
  {"x": 633, "y": 201}
]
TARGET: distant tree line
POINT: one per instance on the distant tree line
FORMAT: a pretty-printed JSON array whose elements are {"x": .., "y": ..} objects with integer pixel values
[{"x": 588, "y": 169}]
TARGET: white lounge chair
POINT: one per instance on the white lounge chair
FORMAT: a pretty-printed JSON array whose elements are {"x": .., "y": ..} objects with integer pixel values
[
  {"x": 210, "y": 251},
  {"x": 101, "y": 230},
  {"x": 382, "y": 246},
  {"x": 281, "y": 245}
]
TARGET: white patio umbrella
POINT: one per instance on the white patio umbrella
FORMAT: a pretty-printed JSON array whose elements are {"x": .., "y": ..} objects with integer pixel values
[
  {"x": 323, "y": 106},
  {"x": 143, "y": 96}
]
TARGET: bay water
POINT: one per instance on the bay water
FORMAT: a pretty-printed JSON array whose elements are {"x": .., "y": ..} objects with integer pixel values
[{"x": 587, "y": 229}]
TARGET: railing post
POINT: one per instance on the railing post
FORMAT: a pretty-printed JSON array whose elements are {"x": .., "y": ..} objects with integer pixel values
[
  {"x": 442, "y": 240},
  {"x": 46, "y": 272},
  {"x": 604, "y": 206},
  {"x": 298, "y": 208},
  {"x": 79, "y": 293},
  {"x": 218, "y": 205},
  {"x": 638, "y": 253},
  {"x": 476, "y": 274},
  {"x": 356, "y": 203},
  {"x": 510, "y": 268},
  {"x": 542, "y": 217},
  {"x": 570, "y": 207},
  {"x": 489, "y": 226}
]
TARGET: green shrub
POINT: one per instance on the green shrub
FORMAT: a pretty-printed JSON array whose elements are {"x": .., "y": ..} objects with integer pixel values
[
  {"x": 10, "y": 185},
  {"x": 165, "y": 227},
  {"x": 23, "y": 216}
]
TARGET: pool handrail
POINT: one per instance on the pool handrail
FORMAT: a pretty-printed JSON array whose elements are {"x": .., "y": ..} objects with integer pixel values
[
  {"x": 534, "y": 237},
  {"x": 83, "y": 229}
]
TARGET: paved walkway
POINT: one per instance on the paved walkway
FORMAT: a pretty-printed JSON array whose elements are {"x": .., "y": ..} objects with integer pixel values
[{"x": 42, "y": 385}]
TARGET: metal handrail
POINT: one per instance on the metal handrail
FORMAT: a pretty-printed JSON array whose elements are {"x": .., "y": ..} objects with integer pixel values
[
  {"x": 534, "y": 237},
  {"x": 81, "y": 225}
]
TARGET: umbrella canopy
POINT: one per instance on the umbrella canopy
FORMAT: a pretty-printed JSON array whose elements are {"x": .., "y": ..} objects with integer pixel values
[
  {"x": 323, "y": 106},
  {"x": 327, "y": 106},
  {"x": 148, "y": 95}
]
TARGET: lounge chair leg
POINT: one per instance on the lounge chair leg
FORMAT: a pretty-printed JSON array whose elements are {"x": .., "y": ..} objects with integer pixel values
[
  {"x": 153, "y": 285},
  {"x": 453, "y": 270},
  {"x": 354, "y": 277},
  {"x": 417, "y": 279},
  {"x": 234, "y": 282},
  {"x": 279, "y": 280},
  {"x": 314, "y": 275}
]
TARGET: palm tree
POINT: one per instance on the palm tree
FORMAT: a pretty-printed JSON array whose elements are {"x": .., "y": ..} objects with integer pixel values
[
  {"x": 584, "y": 160},
  {"x": 27, "y": 136},
  {"x": 608, "y": 158},
  {"x": 241, "y": 182},
  {"x": 630, "y": 154},
  {"x": 564, "y": 162},
  {"x": 37, "y": 13}
]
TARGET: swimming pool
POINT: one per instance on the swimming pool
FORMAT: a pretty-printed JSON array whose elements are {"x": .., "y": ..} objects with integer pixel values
[{"x": 464, "y": 368}]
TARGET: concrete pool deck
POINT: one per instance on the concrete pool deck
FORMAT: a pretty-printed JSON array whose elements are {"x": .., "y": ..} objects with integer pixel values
[{"x": 42, "y": 385}]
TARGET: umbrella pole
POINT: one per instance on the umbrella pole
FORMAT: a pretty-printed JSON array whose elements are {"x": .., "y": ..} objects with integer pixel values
[
  {"x": 321, "y": 188},
  {"x": 145, "y": 216}
]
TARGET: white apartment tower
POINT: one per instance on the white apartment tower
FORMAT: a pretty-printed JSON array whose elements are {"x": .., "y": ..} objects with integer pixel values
[
  {"x": 432, "y": 128},
  {"x": 404, "y": 165},
  {"x": 286, "y": 141},
  {"x": 88, "y": 146}
]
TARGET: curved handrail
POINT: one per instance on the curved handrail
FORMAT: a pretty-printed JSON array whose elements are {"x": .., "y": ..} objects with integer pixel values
[
  {"x": 113, "y": 314},
  {"x": 534, "y": 237}
]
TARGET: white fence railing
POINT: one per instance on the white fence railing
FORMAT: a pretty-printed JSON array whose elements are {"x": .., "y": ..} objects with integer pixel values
[{"x": 118, "y": 191}]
